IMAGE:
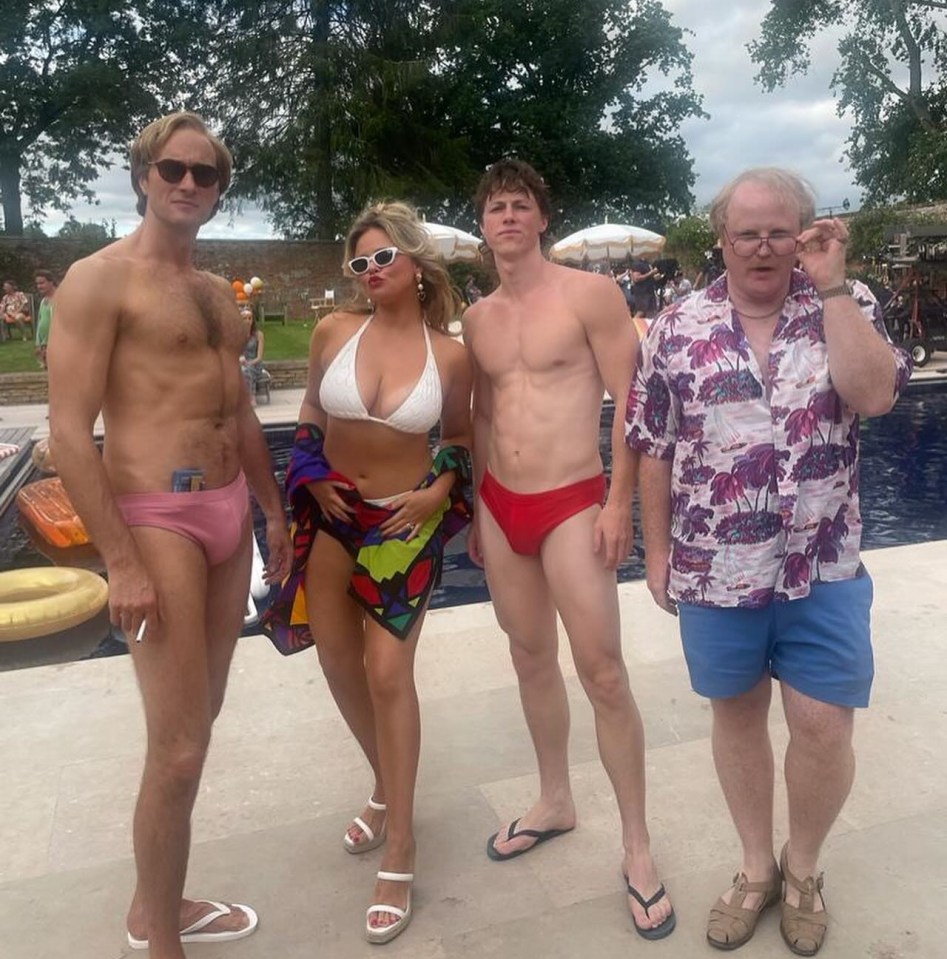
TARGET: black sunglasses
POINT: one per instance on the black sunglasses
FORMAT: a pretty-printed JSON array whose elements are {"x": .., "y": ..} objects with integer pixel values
[
  {"x": 174, "y": 171},
  {"x": 381, "y": 258}
]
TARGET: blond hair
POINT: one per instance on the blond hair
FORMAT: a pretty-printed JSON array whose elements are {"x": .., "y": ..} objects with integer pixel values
[
  {"x": 788, "y": 186},
  {"x": 149, "y": 142},
  {"x": 402, "y": 225}
]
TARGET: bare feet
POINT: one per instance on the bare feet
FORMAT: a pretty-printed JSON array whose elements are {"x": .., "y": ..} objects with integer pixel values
[
  {"x": 541, "y": 819},
  {"x": 640, "y": 872}
]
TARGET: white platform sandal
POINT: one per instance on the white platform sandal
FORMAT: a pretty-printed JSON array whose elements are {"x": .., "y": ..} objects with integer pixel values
[
  {"x": 371, "y": 841},
  {"x": 380, "y": 934}
]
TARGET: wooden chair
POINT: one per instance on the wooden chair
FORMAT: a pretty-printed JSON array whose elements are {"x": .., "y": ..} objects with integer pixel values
[
  {"x": 272, "y": 314},
  {"x": 324, "y": 306}
]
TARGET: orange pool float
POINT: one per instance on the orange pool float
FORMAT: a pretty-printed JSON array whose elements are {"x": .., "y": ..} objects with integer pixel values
[{"x": 49, "y": 510}]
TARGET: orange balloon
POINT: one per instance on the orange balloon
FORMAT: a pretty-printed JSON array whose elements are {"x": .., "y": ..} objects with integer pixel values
[
  {"x": 237, "y": 286},
  {"x": 241, "y": 296}
]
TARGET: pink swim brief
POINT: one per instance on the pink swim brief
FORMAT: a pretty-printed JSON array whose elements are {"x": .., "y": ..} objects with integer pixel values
[{"x": 212, "y": 518}]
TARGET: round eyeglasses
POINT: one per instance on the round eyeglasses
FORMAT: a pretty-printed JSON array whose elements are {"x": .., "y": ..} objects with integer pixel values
[{"x": 749, "y": 244}]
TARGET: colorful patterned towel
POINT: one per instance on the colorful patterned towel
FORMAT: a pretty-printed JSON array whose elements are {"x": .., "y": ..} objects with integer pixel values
[{"x": 393, "y": 577}]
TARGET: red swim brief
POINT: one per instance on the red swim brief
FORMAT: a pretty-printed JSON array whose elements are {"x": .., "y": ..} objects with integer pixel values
[
  {"x": 212, "y": 518},
  {"x": 527, "y": 518}
]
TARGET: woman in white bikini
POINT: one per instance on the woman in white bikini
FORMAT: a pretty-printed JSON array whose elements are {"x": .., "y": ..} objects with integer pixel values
[{"x": 373, "y": 508}]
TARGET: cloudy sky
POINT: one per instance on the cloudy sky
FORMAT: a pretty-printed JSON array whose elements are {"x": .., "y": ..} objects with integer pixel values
[{"x": 796, "y": 126}]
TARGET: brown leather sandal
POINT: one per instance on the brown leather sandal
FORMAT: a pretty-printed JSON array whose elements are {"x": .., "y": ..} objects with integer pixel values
[
  {"x": 729, "y": 925},
  {"x": 802, "y": 927}
]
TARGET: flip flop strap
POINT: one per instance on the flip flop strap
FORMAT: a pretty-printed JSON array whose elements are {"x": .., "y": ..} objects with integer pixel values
[
  {"x": 641, "y": 901},
  {"x": 396, "y": 876},
  {"x": 219, "y": 910},
  {"x": 513, "y": 833}
]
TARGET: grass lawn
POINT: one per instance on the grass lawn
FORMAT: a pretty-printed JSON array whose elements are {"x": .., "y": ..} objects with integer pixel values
[
  {"x": 17, "y": 357},
  {"x": 290, "y": 342}
]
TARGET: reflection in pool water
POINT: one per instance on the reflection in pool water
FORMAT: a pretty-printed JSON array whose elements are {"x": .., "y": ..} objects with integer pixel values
[{"x": 903, "y": 484}]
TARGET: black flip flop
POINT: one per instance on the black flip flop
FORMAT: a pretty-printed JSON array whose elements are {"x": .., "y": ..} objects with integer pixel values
[
  {"x": 540, "y": 835},
  {"x": 666, "y": 927}
]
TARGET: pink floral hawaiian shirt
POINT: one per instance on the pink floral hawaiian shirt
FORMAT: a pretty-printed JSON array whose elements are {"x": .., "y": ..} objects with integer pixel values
[{"x": 764, "y": 489}]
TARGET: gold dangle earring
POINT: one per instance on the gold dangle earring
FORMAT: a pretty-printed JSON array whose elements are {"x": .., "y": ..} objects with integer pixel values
[{"x": 422, "y": 293}]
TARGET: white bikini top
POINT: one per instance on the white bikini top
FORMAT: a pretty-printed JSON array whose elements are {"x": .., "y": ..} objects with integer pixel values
[{"x": 339, "y": 395}]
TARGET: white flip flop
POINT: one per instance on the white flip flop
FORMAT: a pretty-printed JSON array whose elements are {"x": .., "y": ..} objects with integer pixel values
[{"x": 194, "y": 933}]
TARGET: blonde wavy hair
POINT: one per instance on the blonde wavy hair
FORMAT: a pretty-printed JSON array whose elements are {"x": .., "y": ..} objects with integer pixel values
[{"x": 402, "y": 225}]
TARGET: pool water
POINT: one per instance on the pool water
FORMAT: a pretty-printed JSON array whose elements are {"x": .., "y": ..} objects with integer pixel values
[{"x": 903, "y": 495}]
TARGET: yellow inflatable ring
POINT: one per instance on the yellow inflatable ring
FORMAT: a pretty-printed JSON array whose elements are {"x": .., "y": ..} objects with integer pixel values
[{"x": 45, "y": 599}]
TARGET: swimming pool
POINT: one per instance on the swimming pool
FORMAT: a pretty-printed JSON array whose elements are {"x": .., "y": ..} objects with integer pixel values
[{"x": 903, "y": 493}]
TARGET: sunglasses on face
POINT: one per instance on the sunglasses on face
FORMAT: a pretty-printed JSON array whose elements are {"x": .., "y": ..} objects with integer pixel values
[
  {"x": 174, "y": 171},
  {"x": 380, "y": 258}
]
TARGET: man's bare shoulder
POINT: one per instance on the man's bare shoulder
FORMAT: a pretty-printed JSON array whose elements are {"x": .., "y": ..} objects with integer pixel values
[
  {"x": 593, "y": 297},
  {"x": 100, "y": 273},
  {"x": 478, "y": 309},
  {"x": 581, "y": 282},
  {"x": 218, "y": 281}
]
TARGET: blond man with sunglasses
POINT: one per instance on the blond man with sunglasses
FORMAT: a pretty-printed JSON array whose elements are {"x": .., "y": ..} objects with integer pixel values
[{"x": 154, "y": 344}]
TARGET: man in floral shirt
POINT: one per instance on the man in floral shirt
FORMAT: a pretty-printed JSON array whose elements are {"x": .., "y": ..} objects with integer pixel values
[
  {"x": 745, "y": 408},
  {"x": 14, "y": 310}
]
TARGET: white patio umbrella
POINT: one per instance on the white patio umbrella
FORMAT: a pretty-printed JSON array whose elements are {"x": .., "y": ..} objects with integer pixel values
[
  {"x": 608, "y": 241},
  {"x": 453, "y": 244}
]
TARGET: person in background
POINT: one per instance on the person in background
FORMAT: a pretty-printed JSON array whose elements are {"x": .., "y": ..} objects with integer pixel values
[
  {"x": 472, "y": 292},
  {"x": 46, "y": 287},
  {"x": 373, "y": 510},
  {"x": 251, "y": 360},
  {"x": 745, "y": 409},
  {"x": 14, "y": 311},
  {"x": 644, "y": 278},
  {"x": 678, "y": 288}
]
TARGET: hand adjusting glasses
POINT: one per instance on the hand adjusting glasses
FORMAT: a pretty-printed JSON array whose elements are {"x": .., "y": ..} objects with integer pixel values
[
  {"x": 174, "y": 171},
  {"x": 381, "y": 258},
  {"x": 749, "y": 244}
]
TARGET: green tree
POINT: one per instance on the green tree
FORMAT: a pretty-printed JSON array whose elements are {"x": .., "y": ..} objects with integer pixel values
[
  {"x": 76, "y": 81},
  {"x": 561, "y": 85},
  {"x": 89, "y": 232},
  {"x": 327, "y": 103},
  {"x": 330, "y": 104},
  {"x": 688, "y": 240},
  {"x": 898, "y": 147}
]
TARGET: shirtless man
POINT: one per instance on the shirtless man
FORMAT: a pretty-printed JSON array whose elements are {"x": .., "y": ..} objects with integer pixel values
[
  {"x": 545, "y": 345},
  {"x": 155, "y": 344}
]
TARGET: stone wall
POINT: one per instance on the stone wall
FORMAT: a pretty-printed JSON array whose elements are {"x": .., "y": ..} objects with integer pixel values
[
  {"x": 294, "y": 271},
  {"x": 17, "y": 389}
]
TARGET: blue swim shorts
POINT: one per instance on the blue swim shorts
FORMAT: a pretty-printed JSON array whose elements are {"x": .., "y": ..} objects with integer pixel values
[{"x": 819, "y": 645}]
